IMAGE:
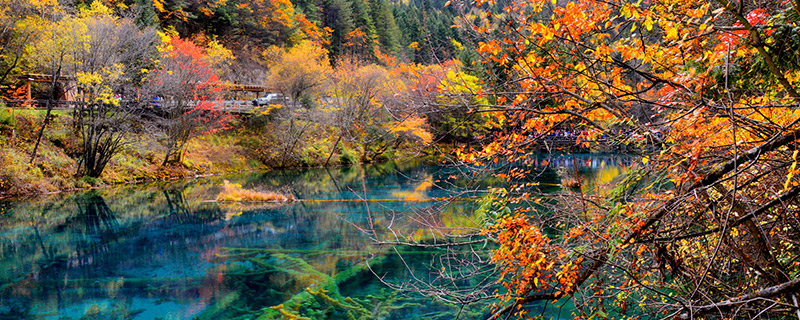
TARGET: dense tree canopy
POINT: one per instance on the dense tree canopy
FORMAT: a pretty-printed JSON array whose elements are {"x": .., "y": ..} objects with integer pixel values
[
  {"x": 185, "y": 87},
  {"x": 707, "y": 224}
]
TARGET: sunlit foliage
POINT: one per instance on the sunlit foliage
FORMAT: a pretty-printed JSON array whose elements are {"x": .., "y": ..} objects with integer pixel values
[{"x": 706, "y": 92}]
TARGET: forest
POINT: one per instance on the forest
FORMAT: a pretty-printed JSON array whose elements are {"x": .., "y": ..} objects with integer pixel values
[
  {"x": 703, "y": 95},
  {"x": 135, "y": 82}
]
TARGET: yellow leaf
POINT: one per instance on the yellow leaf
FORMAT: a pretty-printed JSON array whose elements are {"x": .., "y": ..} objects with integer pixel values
[
  {"x": 158, "y": 4},
  {"x": 672, "y": 32},
  {"x": 648, "y": 24}
]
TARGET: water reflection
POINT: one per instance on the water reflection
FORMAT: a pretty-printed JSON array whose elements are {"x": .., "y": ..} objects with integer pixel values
[
  {"x": 169, "y": 250},
  {"x": 593, "y": 161},
  {"x": 96, "y": 230}
]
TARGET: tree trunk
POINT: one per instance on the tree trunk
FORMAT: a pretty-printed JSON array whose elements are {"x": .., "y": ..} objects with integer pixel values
[
  {"x": 50, "y": 102},
  {"x": 333, "y": 149}
]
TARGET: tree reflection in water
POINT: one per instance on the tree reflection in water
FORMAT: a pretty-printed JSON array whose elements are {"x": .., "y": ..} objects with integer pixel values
[{"x": 100, "y": 226}]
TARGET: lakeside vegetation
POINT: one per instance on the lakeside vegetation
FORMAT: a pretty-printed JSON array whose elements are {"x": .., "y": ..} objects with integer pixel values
[
  {"x": 229, "y": 151},
  {"x": 157, "y": 112}
]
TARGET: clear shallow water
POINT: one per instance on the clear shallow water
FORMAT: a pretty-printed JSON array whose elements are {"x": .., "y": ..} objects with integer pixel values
[{"x": 166, "y": 251}]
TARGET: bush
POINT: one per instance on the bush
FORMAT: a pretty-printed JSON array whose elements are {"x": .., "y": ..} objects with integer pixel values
[
  {"x": 313, "y": 154},
  {"x": 17, "y": 176},
  {"x": 7, "y": 117},
  {"x": 347, "y": 155},
  {"x": 234, "y": 192}
]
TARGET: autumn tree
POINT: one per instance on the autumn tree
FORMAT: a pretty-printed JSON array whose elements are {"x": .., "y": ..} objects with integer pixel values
[
  {"x": 186, "y": 88},
  {"x": 259, "y": 23},
  {"x": 357, "y": 90},
  {"x": 15, "y": 35},
  {"x": 706, "y": 225},
  {"x": 365, "y": 113},
  {"x": 105, "y": 55},
  {"x": 459, "y": 114},
  {"x": 38, "y": 22},
  {"x": 300, "y": 74},
  {"x": 299, "y": 70}
]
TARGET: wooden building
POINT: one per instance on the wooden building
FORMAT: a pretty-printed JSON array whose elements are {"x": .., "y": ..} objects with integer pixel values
[{"x": 65, "y": 86}]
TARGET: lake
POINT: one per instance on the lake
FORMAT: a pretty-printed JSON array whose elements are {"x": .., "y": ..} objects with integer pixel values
[{"x": 169, "y": 251}]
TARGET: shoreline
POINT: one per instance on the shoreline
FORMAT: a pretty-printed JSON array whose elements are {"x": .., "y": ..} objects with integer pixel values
[
  {"x": 144, "y": 180},
  {"x": 16, "y": 197}
]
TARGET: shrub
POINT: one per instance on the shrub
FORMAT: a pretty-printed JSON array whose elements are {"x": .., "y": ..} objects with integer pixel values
[
  {"x": 17, "y": 176},
  {"x": 234, "y": 192},
  {"x": 313, "y": 154},
  {"x": 7, "y": 117},
  {"x": 347, "y": 155}
]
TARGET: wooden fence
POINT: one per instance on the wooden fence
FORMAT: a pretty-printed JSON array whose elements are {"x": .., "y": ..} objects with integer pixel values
[{"x": 230, "y": 106}]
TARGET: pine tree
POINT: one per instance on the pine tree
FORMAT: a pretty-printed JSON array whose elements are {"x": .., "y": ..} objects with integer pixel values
[
  {"x": 311, "y": 8},
  {"x": 385, "y": 26},
  {"x": 338, "y": 15},
  {"x": 361, "y": 41},
  {"x": 145, "y": 14},
  {"x": 410, "y": 32}
]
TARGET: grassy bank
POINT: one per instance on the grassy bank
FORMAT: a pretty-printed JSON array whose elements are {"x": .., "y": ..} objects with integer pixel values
[
  {"x": 56, "y": 162},
  {"x": 249, "y": 146}
]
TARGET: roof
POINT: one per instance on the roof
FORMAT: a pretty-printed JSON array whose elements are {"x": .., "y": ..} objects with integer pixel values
[{"x": 42, "y": 77}]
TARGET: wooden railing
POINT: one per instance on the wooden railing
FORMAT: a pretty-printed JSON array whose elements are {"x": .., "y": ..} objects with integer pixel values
[
  {"x": 42, "y": 104},
  {"x": 231, "y": 106}
]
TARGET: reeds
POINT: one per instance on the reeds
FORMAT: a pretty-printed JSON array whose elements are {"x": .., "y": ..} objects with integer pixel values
[{"x": 233, "y": 192}]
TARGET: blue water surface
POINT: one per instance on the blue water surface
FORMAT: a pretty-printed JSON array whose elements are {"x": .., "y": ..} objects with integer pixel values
[{"x": 170, "y": 251}]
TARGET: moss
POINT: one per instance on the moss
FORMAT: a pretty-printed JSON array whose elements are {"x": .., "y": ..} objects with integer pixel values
[
  {"x": 263, "y": 277},
  {"x": 114, "y": 312}
]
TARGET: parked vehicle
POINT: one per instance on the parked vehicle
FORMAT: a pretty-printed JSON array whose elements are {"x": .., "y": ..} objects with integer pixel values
[{"x": 269, "y": 98}]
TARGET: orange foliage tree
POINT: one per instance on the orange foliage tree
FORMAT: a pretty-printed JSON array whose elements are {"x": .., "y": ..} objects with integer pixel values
[
  {"x": 707, "y": 224},
  {"x": 184, "y": 88},
  {"x": 246, "y": 23}
]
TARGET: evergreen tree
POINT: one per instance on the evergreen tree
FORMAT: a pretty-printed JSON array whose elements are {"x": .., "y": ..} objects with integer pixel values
[
  {"x": 385, "y": 26},
  {"x": 338, "y": 16},
  {"x": 410, "y": 32},
  {"x": 426, "y": 33},
  {"x": 144, "y": 14},
  {"x": 311, "y": 8},
  {"x": 361, "y": 16},
  {"x": 361, "y": 41}
]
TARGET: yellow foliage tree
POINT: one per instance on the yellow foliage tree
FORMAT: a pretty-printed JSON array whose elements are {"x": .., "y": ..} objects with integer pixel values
[
  {"x": 299, "y": 70},
  {"x": 103, "y": 54}
]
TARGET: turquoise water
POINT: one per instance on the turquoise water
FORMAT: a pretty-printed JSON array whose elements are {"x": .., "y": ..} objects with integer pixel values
[{"x": 169, "y": 251}]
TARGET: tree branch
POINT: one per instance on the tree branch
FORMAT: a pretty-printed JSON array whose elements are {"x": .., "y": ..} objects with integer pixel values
[{"x": 786, "y": 287}]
